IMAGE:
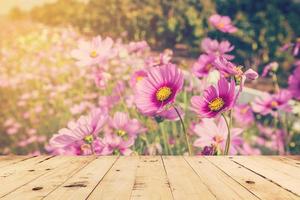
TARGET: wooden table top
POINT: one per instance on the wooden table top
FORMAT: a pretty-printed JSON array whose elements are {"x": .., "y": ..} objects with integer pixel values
[{"x": 149, "y": 177}]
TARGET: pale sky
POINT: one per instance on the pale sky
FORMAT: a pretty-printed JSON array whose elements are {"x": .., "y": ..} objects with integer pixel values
[{"x": 6, "y": 5}]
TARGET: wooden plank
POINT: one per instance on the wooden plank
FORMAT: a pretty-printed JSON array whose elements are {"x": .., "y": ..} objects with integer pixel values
[
  {"x": 19, "y": 175},
  {"x": 290, "y": 161},
  {"x": 277, "y": 173},
  {"x": 294, "y": 157},
  {"x": 10, "y": 160},
  {"x": 119, "y": 181},
  {"x": 46, "y": 183},
  {"x": 150, "y": 180},
  {"x": 83, "y": 183},
  {"x": 219, "y": 183},
  {"x": 184, "y": 182},
  {"x": 259, "y": 186}
]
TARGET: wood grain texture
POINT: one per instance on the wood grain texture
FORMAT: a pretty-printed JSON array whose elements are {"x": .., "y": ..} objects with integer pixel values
[
  {"x": 150, "y": 177},
  {"x": 282, "y": 174}
]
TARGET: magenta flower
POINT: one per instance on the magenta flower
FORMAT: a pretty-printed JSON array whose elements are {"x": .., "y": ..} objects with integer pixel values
[
  {"x": 222, "y": 23},
  {"x": 294, "y": 83},
  {"x": 271, "y": 104},
  {"x": 203, "y": 65},
  {"x": 159, "y": 89},
  {"x": 81, "y": 137},
  {"x": 211, "y": 134},
  {"x": 123, "y": 126},
  {"x": 216, "y": 49},
  {"x": 95, "y": 52},
  {"x": 243, "y": 114},
  {"x": 215, "y": 100}
]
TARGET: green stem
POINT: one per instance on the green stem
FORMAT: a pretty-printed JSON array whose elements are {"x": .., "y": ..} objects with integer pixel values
[
  {"x": 165, "y": 138},
  {"x": 228, "y": 124},
  {"x": 184, "y": 131}
]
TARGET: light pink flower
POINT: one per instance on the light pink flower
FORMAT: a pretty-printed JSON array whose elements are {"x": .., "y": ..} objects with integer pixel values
[
  {"x": 214, "y": 134},
  {"x": 203, "y": 66},
  {"x": 222, "y": 23},
  {"x": 137, "y": 77},
  {"x": 271, "y": 104},
  {"x": 98, "y": 51},
  {"x": 216, "y": 49},
  {"x": 123, "y": 126},
  {"x": 243, "y": 114},
  {"x": 80, "y": 137},
  {"x": 113, "y": 144}
]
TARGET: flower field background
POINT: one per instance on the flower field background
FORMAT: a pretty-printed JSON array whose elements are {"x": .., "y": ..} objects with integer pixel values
[{"x": 76, "y": 85}]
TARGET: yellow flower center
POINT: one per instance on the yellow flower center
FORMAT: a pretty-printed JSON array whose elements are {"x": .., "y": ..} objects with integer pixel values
[
  {"x": 163, "y": 93},
  {"x": 218, "y": 139},
  {"x": 208, "y": 67},
  {"x": 139, "y": 78},
  {"x": 274, "y": 103},
  {"x": 220, "y": 25},
  {"x": 216, "y": 104},
  {"x": 121, "y": 133},
  {"x": 88, "y": 139},
  {"x": 93, "y": 54}
]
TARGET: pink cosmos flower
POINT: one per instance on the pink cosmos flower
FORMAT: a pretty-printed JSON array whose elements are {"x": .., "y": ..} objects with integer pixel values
[
  {"x": 101, "y": 78},
  {"x": 215, "y": 134},
  {"x": 227, "y": 69},
  {"x": 294, "y": 83},
  {"x": 222, "y": 23},
  {"x": 170, "y": 113},
  {"x": 216, "y": 49},
  {"x": 243, "y": 114},
  {"x": 137, "y": 77},
  {"x": 215, "y": 100},
  {"x": 81, "y": 137},
  {"x": 158, "y": 89},
  {"x": 95, "y": 52},
  {"x": 271, "y": 104},
  {"x": 114, "y": 144},
  {"x": 124, "y": 126},
  {"x": 203, "y": 65}
]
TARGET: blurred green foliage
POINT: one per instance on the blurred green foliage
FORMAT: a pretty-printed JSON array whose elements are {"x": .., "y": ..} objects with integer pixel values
[{"x": 264, "y": 25}]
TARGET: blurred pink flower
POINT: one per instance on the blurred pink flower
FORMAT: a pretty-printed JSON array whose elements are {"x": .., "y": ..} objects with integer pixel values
[
  {"x": 294, "y": 83},
  {"x": 80, "y": 137},
  {"x": 123, "y": 126},
  {"x": 114, "y": 144},
  {"x": 229, "y": 69},
  {"x": 101, "y": 78},
  {"x": 204, "y": 64},
  {"x": 158, "y": 89},
  {"x": 243, "y": 114},
  {"x": 137, "y": 77},
  {"x": 222, "y": 23},
  {"x": 215, "y": 100},
  {"x": 97, "y": 51},
  {"x": 216, "y": 49},
  {"x": 273, "y": 66},
  {"x": 215, "y": 134},
  {"x": 271, "y": 104}
]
